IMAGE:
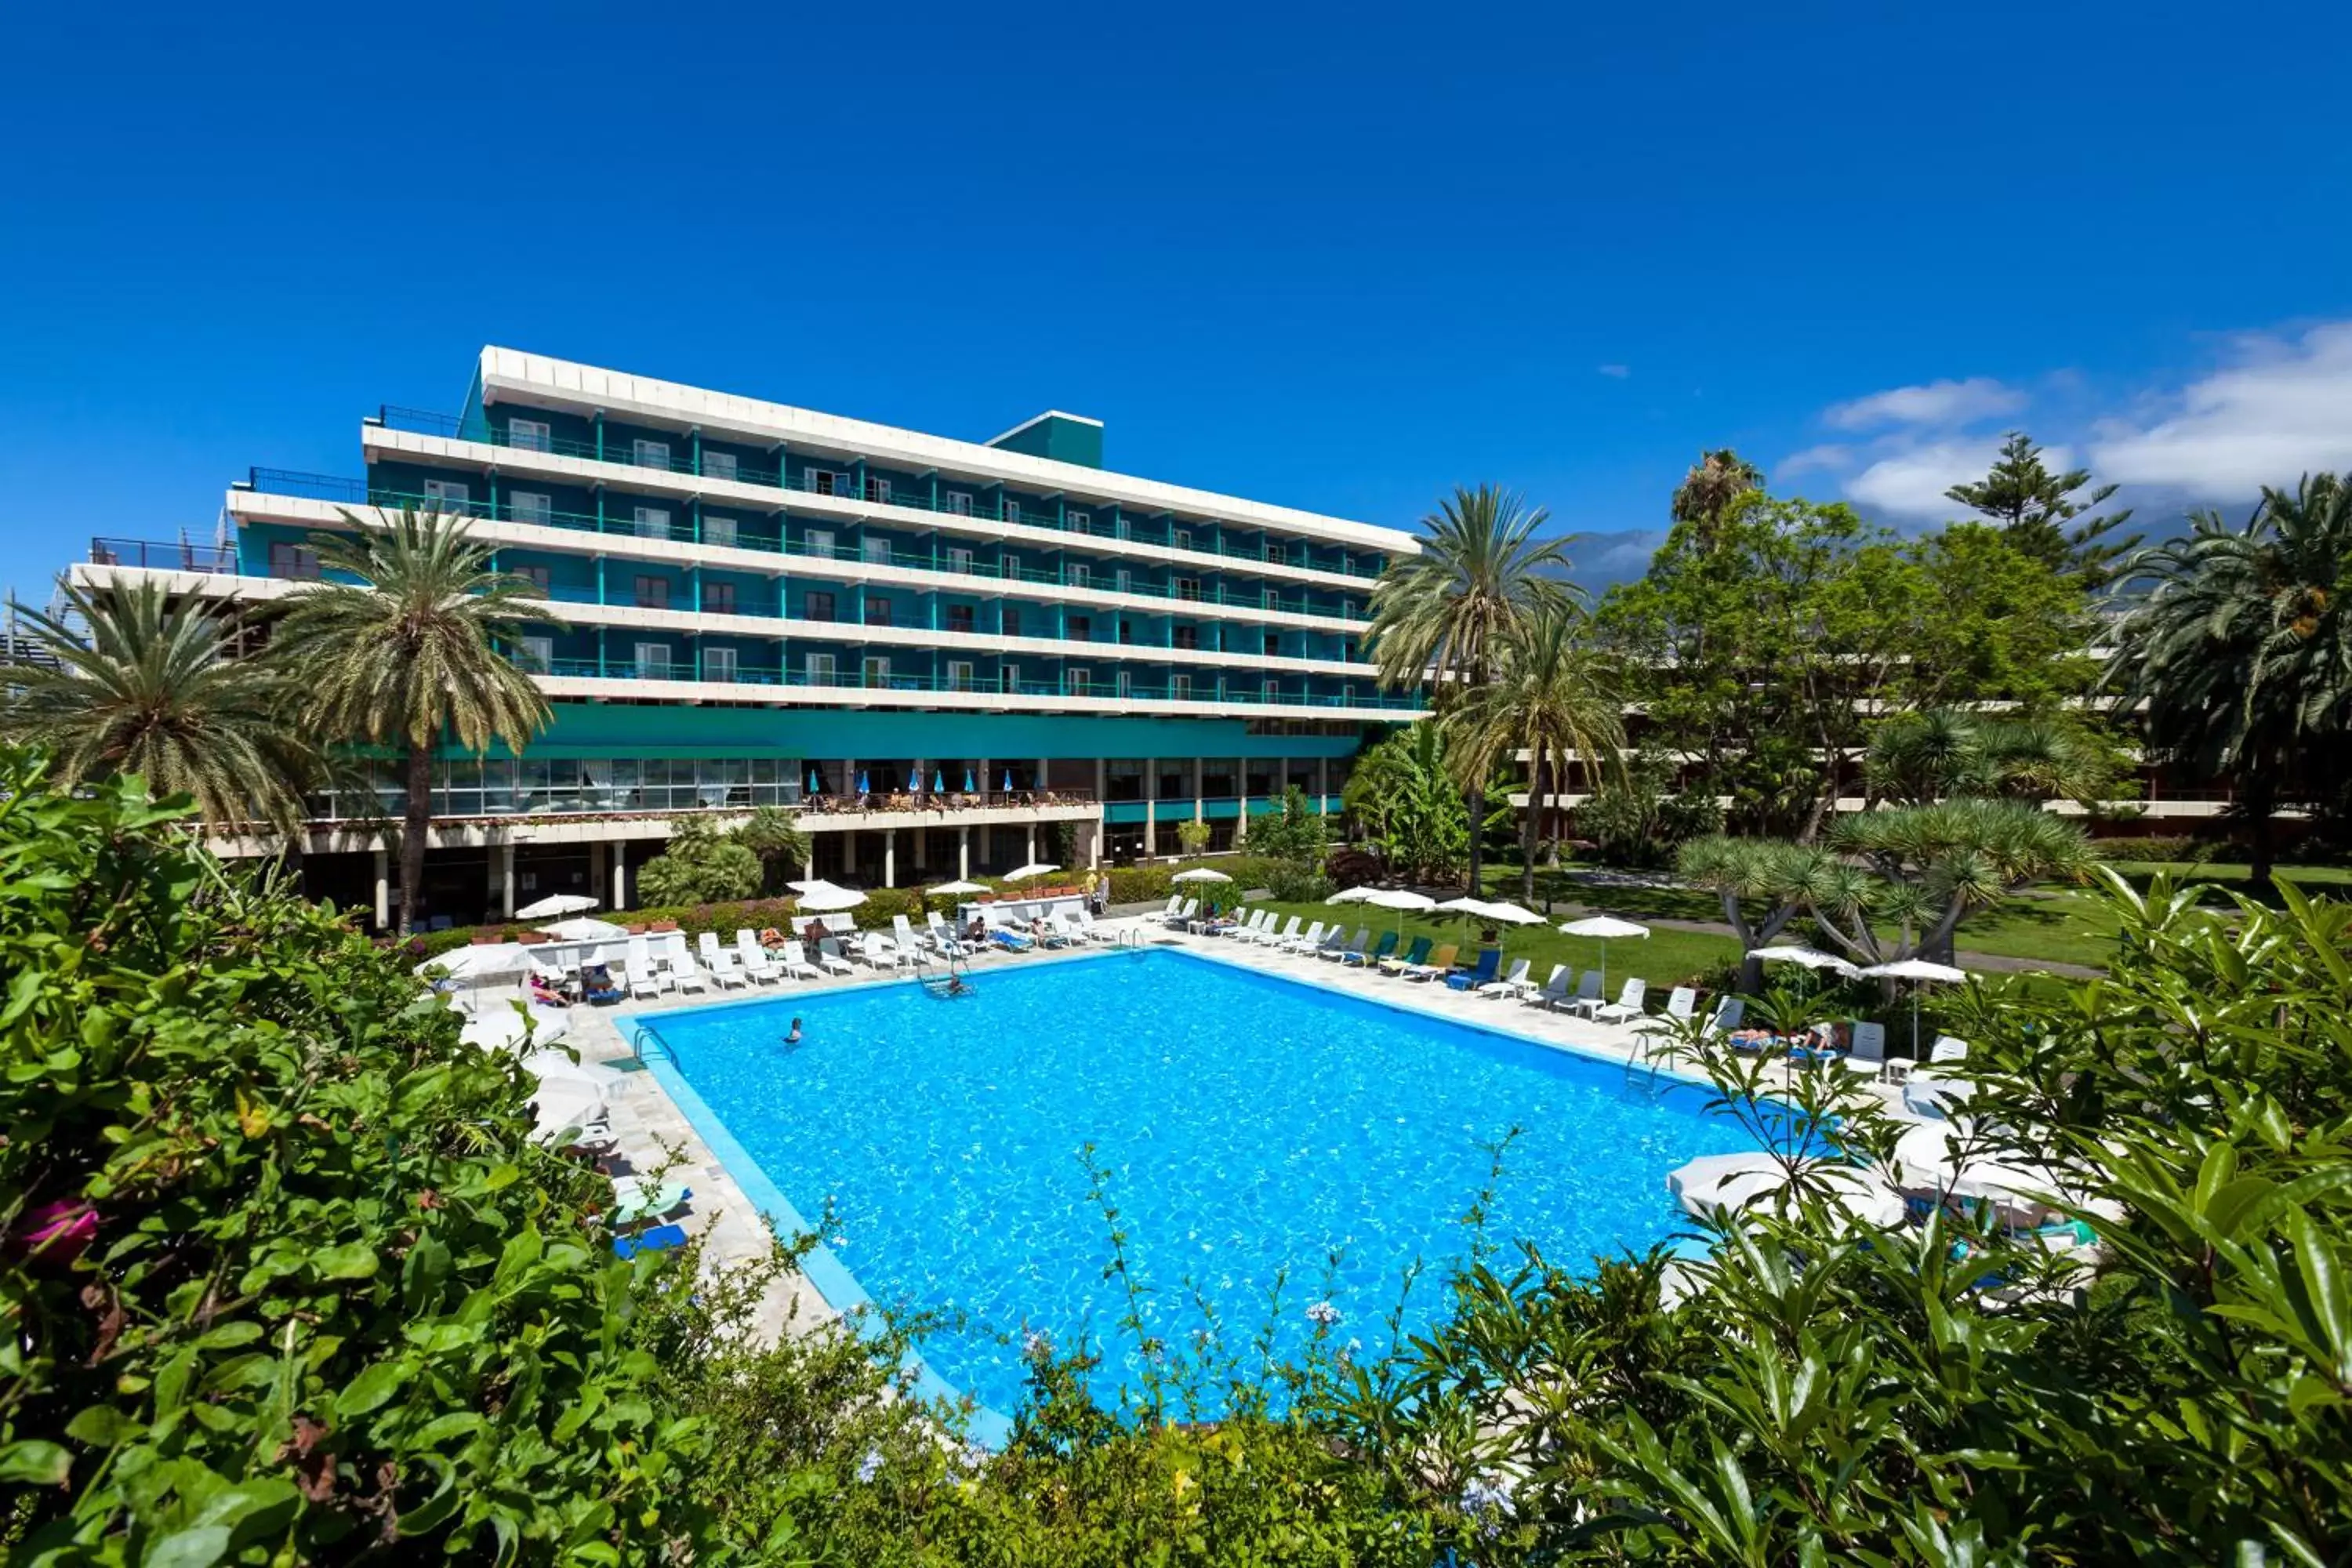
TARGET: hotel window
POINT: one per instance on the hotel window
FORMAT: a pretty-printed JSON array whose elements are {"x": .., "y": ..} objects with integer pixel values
[
  {"x": 1081, "y": 575},
  {"x": 1273, "y": 645},
  {"x": 530, "y": 505},
  {"x": 718, "y": 598},
  {"x": 538, "y": 653},
  {"x": 958, "y": 558},
  {"x": 534, "y": 575},
  {"x": 530, "y": 435},
  {"x": 816, "y": 604},
  {"x": 1008, "y": 566},
  {"x": 877, "y": 610},
  {"x": 879, "y": 490},
  {"x": 1009, "y": 510},
  {"x": 293, "y": 561},
  {"x": 1183, "y": 539},
  {"x": 649, "y": 454},
  {"x": 819, "y": 666},
  {"x": 449, "y": 492},
  {"x": 960, "y": 618},
  {"x": 718, "y": 531},
  {"x": 1082, "y": 521},
  {"x": 653, "y": 593},
  {"x": 719, "y": 464},
  {"x": 1126, "y": 683},
  {"x": 652, "y": 521},
  {"x": 959, "y": 503},
  {"x": 653, "y": 661},
  {"x": 718, "y": 664},
  {"x": 818, "y": 480},
  {"x": 1009, "y": 621},
  {"x": 1276, "y": 553},
  {"x": 1081, "y": 683},
  {"x": 1009, "y": 678},
  {"x": 819, "y": 542},
  {"x": 876, "y": 672},
  {"x": 1179, "y": 688},
  {"x": 1187, "y": 636},
  {"x": 1188, "y": 587},
  {"x": 959, "y": 674},
  {"x": 1125, "y": 631},
  {"x": 1081, "y": 628},
  {"x": 1124, "y": 580},
  {"x": 876, "y": 547}
]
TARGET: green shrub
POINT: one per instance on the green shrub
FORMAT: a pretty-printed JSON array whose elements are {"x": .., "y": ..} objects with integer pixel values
[{"x": 699, "y": 866}]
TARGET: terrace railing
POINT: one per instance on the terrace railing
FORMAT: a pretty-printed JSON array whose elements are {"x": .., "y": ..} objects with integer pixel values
[
  {"x": 855, "y": 679},
  {"x": 160, "y": 555}
]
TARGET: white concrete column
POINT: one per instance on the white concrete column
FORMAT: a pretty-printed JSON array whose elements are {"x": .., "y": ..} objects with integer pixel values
[
  {"x": 620, "y": 873},
  {"x": 1151, "y": 807},
  {"x": 1033, "y": 844},
  {"x": 1102, "y": 778},
  {"x": 1037, "y": 779},
  {"x": 963, "y": 853},
  {"x": 506, "y": 881},
  {"x": 986, "y": 780},
  {"x": 383, "y": 890},
  {"x": 1094, "y": 841},
  {"x": 890, "y": 857},
  {"x": 1200, "y": 771},
  {"x": 595, "y": 867}
]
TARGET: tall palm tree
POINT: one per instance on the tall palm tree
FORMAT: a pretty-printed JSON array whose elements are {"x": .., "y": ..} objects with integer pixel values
[
  {"x": 2239, "y": 648},
  {"x": 1717, "y": 479},
  {"x": 156, "y": 687},
  {"x": 409, "y": 650},
  {"x": 1552, "y": 698},
  {"x": 1440, "y": 616}
]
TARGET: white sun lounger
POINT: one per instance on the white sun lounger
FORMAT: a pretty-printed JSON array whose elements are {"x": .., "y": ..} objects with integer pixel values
[
  {"x": 796, "y": 965},
  {"x": 828, "y": 957},
  {"x": 754, "y": 958},
  {"x": 943, "y": 940},
  {"x": 1183, "y": 916},
  {"x": 719, "y": 963},
  {"x": 1339, "y": 955},
  {"x": 1307, "y": 943},
  {"x": 681, "y": 964},
  {"x": 1626, "y": 1008},
  {"x": 1555, "y": 989},
  {"x": 1510, "y": 985}
]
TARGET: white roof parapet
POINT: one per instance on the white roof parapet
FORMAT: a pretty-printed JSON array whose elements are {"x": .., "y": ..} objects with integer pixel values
[{"x": 511, "y": 375}]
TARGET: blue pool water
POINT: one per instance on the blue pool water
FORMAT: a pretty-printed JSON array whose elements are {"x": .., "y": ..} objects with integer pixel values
[{"x": 1250, "y": 1126}]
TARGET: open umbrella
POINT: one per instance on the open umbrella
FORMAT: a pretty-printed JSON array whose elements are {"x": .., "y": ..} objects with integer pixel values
[
  {"x": 488, "y": 962},
  {"x": 1401, "y": 900},
  {"x": 1359, "y": 894},
  {"x": 580, "y": 928},
  {"x": 1918, "y": 969},
  {"x": 565, "y": 1103},
  {"x": 1810, "y": 957},
  {"x": 1506, "y": 913},
  {"x": 555, "y": 904},
  {"x": 1035, "y": 868},
  {"x": 1603, "y": 926},
  {"x": 953, "y": 891},
  {"x": 1200, "y": 874},
  {"x": 825, "y": 898}
]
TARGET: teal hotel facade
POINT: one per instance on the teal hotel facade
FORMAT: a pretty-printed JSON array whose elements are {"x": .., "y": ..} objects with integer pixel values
[{"x": 938, "y": 650}]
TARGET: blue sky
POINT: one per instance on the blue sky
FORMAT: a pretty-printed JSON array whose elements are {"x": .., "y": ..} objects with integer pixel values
[{"x": 1338, "y": 257}]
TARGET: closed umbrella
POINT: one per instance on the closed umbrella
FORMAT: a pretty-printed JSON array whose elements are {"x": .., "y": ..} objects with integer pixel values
[
  {"x": 938, "y": 782},
  {"x": 862, "y": 788},
  {"x": 812, "y": 784},
  {"x": 914, "y": 780},
  {"x": 969, "y": 787},
  {"x": 1008, "y": 781},
  {"x": 1603, "y": 926},
  {"x": 555, "y": 904},
  {"x": 1920, "y": 970}
]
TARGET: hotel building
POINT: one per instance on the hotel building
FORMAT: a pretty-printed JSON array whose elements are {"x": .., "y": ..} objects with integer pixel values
[{"x": 938, "y": 649}]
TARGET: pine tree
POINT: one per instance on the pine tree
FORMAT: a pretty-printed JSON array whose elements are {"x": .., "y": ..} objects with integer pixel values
[{"x": 2037, "y": 507}]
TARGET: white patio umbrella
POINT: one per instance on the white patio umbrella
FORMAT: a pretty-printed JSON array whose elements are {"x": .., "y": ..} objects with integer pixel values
[
  {"x": 1861, "y": 1195},
  {"x": 1358, "y": 894},
  {"x": 560, "y": 1103},
  {"x": 1200, "y": 874},
  {"x": 1400, "y": 900},
  {"x": 954, "y": 890},
  {"x": 1810, "y": 957},
  {"x": 556, "y": 904},
  {"x": 1917, "y": 969},
  {"x": 488, "y": 960},
  {"x": 1500, "y": 914},
  {"x": 1607, "y": 928},
  {"x": 1035, "y": 868},
  {"x": 824, "y": 899},
  {"x": 581, "y": 927},
  {"x": 557, "y": 1066}
]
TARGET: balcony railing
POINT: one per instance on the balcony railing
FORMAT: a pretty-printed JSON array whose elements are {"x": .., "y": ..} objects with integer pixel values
[
  {"x": 944, "y": 561},
  {"x": 861, "y": 680},
  {"x": 158, "y": 555},
  {"x": 680, "y": 459}
]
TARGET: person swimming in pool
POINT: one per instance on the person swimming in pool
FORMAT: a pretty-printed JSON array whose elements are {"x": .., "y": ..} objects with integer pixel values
[{"x": 792, "y": 1040}]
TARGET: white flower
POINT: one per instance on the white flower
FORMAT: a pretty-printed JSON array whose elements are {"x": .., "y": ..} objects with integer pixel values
[
  {"x": 1322, "y": 1314},
  {"x": 1036, "y": 1345}
]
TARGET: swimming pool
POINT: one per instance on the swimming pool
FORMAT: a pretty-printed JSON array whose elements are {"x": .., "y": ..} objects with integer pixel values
[{"x": 1250, "y": 1125}]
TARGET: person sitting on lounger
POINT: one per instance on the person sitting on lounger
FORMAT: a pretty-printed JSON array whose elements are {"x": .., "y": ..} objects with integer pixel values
[
  {"x": 599, "y": 984},
  {"x": 815, "y": 933},
  {"x": 976, "y": 932},
  {"x": 544, "y": 995}
]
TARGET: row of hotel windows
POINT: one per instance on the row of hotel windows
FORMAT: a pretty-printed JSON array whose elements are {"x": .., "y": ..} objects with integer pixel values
[
  {"x": 529, "y": 506},
  {"x": 651, "y": 591},
  {"x": 660, "y": 661}
]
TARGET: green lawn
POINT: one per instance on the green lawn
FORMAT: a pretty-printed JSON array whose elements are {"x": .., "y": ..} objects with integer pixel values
[{"x": 1665, "y": 958}]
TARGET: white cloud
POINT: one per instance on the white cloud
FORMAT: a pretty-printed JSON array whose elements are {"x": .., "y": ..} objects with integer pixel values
[
  {"x": 1939, "y": 403},
  {"x": 1614, "y": 372},
  {"x": 1831, "y": 458},
  {"x": 2285, "y": 409},
  {"x": 1911, "y": 482}
]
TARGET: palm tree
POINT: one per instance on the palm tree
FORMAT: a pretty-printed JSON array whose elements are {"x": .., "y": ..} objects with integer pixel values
[
  {"x": 1403, "y": 793},
  {"x": 2241, "y": 652},
  {"x": 1441, "y": 615},
  {"x": 1716, "y": 481},
  {"x": 156, "y": 687},
  {"x": 410, "y": 651},
  {"x": 1552, "y": 698},
  {"x": 1939, "y": 753}
]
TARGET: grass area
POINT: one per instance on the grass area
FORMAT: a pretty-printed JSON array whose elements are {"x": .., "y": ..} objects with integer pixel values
[
  {"x": 2236, "y": 875},
  {"x": 2054, "y": 925}
]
